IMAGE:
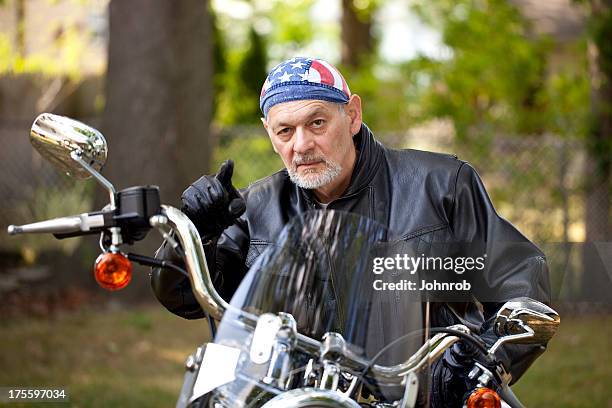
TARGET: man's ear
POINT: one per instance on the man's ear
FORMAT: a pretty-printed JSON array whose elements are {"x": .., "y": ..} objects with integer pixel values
[
  {"x": 265, "y": 125},
  {"x": 353, "y": 110}
]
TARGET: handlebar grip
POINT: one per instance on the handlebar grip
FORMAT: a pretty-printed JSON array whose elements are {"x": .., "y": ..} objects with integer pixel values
[{"x": 64, "y": 225}]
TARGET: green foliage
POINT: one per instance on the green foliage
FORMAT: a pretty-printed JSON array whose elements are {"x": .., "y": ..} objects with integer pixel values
[
  {"x": 68, "y": 50},
  {"x": 366, "y": 8},
  {"x": 51, "y": 202},
  {"x": 493, "y": 79},
  {"x": 385, "y": 94},
  {"x": 252, "y": 154},
  {"x": 219, "y": 63},
  {"x": 243, "y": 79},
  {"x": 601, "y": 32},
  {"x": 253, "y": 66},
  {"x": 598, "y": 144},
  {"x": 494, "y": 85},
  {"x": 291, "y": 27},
  {"x": 241, "y": 45},
  {"x": 568, "y": 96}
]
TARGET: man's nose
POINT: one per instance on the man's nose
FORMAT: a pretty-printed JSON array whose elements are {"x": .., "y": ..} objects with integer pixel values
[{"x": 304, "y": 141}]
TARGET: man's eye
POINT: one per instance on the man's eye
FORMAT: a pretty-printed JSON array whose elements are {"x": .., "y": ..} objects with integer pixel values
[
  {"x": 284, "y": 131},
  {"x": 318, "y": 122}
]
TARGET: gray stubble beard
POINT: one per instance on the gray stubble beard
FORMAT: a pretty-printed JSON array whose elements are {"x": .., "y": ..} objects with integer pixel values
[{"x": 310, "y": 182}]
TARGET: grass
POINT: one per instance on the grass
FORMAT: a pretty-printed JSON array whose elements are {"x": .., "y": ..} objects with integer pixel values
[
  {"x": 576, "y": 369},
  {"x": 125, "y": 359},
  {"x": 135, "y": 358}
]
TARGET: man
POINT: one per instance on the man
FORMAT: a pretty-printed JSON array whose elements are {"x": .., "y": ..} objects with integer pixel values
[{"x": 333, "y": 162}]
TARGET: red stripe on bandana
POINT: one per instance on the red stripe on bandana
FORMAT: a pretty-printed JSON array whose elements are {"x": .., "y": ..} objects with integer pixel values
[
  {"x": 344, "y": 86},
  {"x": 326, "y": 76}
]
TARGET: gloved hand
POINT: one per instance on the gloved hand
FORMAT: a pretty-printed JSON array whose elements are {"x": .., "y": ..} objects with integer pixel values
[
  {"x": 449, "y": 376},
  {"x": 212, "y": 203}
]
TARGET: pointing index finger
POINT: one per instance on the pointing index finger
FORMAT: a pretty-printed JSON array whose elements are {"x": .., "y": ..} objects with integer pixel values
[{"x": 225, "y": 174}]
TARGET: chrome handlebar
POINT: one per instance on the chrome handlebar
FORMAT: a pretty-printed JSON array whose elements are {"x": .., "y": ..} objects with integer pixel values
[
  {"x": 173, "y": 220},
  {"x": 211, "y": 302},
  {"x": 64, "y": 225},
  {"x": 431, "y": 350},
  {"x": 195, "y": 259}
]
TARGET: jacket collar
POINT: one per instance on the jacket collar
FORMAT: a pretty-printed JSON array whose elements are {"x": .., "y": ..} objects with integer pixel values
[{"x": 369, "y": 158}]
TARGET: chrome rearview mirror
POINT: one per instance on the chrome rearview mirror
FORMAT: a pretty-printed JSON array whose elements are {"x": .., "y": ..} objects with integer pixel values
[
  {"x": 62, "y": 140},
  {"x": 516, "y": 314},
  {"x": 525, "y": 321},
  {"x": 72, "y": 147}
]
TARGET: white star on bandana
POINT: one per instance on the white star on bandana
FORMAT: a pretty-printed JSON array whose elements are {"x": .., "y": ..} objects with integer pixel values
[{"x": 285, "y": 77}]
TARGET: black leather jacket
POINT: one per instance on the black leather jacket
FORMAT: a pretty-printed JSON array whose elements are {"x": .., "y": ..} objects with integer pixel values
[{"x": 421, "y": 197}]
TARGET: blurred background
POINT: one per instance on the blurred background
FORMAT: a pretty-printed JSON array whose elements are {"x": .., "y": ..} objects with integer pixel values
[{"x": 519, "y": 88}]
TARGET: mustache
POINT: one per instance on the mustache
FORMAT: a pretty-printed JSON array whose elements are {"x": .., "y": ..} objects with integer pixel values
[{"x": 307, "y": 159}]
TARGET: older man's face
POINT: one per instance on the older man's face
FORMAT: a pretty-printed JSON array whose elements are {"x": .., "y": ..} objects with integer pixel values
[{"x": 315, "y": 140}]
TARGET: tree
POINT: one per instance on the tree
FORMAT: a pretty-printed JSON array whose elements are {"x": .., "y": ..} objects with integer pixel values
[
  {"x": 598, "y": 165},
  {"x": 493, "y": 79},
  {"x": 499, "y": 86},
  {"x": 251, "y": 71},
  {"x": 159, "y": 93},
  {"x": 599, "y": 137},
  {"x": 356, "y": 24},
  {"x": 159, "y": 100},
  {"x": 242, "y": 82},
  {"x": 20, "y": 15}
]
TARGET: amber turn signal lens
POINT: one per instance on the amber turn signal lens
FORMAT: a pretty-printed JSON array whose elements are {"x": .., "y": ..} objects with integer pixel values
[
  {"x": 484, "y": 398},
  {"x": 113, "y": 271}
]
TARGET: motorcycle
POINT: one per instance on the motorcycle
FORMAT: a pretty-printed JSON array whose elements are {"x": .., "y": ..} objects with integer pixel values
[{"x": 305, "y": 328}]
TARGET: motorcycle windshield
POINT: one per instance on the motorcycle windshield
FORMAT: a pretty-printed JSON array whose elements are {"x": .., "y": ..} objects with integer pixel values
[{"x": 324, "y": 270}]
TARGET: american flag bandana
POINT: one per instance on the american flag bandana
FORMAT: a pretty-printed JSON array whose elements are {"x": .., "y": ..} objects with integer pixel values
[{"x": 303, "y": 78}]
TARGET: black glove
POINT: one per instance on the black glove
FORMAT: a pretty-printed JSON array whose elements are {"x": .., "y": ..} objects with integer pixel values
[
  {"x": 213, "y": 203},
  {"x": 450, "y": 380}
]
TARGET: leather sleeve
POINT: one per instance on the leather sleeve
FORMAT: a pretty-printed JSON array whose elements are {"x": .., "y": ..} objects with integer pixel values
[
  {"x": 225, "y": 257},
  {"x": 514, "y": 266}
]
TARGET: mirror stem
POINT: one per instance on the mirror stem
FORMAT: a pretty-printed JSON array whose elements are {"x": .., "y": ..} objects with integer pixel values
[
  {"x": 76, "y": 156},
  {"x": 528, "y": 333},
  {"x": 115, "y": 231}
]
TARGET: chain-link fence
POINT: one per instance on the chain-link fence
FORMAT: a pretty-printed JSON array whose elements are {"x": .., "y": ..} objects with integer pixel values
[
  {"x": 31, "y": 190},
  {"x": 537, "y": 183}
]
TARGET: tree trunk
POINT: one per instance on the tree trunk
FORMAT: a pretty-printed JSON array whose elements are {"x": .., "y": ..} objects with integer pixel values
[
  {"x": 598, "y": 166},
  {"x": 20, "y": 24},
  {"x": 356, "y": 37},
  {"x": 159, "y": 98},
  {"x": 159, "y": 94}
]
